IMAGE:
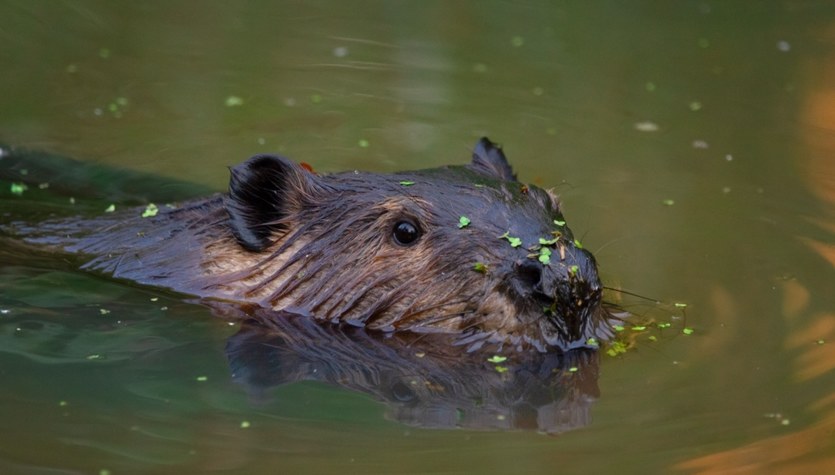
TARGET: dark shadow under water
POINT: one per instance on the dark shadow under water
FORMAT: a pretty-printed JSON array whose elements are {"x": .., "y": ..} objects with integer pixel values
[{"x": 423, "y": 380}]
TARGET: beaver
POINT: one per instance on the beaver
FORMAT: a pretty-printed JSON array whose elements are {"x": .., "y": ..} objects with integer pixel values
[{"x": 465, "y": 250}]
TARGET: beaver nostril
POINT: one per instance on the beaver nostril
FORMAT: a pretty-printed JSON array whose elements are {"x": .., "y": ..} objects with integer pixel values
[{"x": 529, "y": 273}]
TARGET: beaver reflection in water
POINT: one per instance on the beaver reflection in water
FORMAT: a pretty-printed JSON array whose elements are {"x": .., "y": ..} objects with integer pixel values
[{"x": 464, "y": 250}]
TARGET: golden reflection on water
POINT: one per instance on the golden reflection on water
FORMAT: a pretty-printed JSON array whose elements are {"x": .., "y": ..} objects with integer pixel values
[{"x": 811, "y": 338}]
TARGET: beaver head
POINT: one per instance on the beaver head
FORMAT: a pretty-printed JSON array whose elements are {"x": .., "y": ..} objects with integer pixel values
[{"x": 463, "y": 249}]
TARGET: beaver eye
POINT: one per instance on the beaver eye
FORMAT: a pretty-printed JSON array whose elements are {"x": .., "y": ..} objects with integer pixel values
[{"x": 405, "y": 233}]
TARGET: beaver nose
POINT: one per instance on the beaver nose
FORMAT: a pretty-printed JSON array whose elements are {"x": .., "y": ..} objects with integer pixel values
[{"x": 567, "y": 290}]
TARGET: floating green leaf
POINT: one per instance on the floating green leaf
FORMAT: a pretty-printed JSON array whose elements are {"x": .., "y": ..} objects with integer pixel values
[
  {"x": 463, "y": 222},
  {"x": 687, "y": 331},
  {"x": 501, "y": 369},
  {"x": 406, "y": 183},
  {"x": 150, "y": 211},
  {"x": 619, "y": 328},
  {"x": 559, "y": 222},
  {"x": 616, "y": 348},
  {"x": 668, "y": 202},
  {"x": 592, "y": 342},
  {"x": 578, "y": 244},
  {"x": 573, "y": 369},
  {"x": 497, "y": 359},
  {"x": 548, "y": 242},
  {"x": 573, "y": 270},
  {"x": 18, "y": 188},
  {"x": 234, "y": 101},
  {"x": 680, "y": 305},
  {"x": 638, "y": 328},
  {"x": 110, "y": 208}
]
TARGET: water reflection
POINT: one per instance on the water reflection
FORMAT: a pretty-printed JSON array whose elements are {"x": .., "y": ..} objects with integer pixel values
[{"x": 423, "y": 380}]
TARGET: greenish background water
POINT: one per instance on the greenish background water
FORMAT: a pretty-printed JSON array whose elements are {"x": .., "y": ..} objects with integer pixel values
[{"x": 725, "y": 108}]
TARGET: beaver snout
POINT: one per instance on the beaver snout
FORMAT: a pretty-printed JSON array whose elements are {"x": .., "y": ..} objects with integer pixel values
[{"x": 566, "y": 292}]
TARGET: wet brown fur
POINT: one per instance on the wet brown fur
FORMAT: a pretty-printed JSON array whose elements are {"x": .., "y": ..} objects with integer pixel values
[{"x": 322, "y": 247}]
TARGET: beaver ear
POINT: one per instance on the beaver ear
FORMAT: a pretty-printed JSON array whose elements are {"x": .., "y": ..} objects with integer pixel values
[
  {"x": 488, "y": 159},
  {"x": 262, "y": 191}
]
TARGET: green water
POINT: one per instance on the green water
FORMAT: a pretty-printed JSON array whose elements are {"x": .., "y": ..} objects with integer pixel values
[{"x": 692, "y": 143}]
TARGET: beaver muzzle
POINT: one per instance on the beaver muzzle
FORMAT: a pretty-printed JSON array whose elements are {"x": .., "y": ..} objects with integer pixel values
[{"x": 567, "y": 292}]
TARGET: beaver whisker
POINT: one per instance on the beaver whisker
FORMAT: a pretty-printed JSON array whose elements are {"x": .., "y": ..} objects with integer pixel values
[{"x": 633, "y": 294}]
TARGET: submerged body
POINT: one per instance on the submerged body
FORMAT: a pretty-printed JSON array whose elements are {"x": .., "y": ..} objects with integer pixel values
[{"x": 466, "y": 250}]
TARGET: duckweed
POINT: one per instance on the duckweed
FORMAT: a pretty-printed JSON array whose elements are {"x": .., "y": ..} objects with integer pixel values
[
  {"x": 234, "y": 101},
  {"x": 150, "y": 211},
  {"x": 616, "y": 348},
  {"x": 514, "y": 241},
  {"x": 545, "y": 256},
  {"x": 18, "y": 188}
]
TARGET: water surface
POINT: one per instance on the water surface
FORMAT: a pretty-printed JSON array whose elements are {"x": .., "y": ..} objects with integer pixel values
[{"x": 692, "y": 144}]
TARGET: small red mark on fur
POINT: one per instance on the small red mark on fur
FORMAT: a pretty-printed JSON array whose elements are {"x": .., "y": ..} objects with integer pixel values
[{"x": 307, "y": 167}]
